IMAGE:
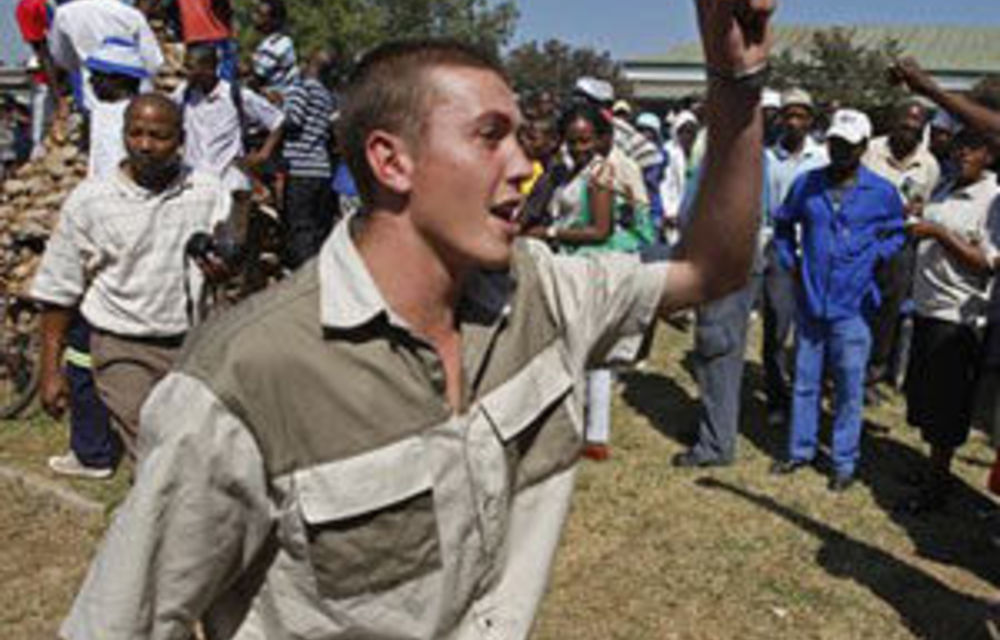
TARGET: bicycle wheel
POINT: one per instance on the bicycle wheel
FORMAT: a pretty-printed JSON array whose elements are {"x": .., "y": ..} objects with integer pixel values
[{"x": 19, "y": 351}]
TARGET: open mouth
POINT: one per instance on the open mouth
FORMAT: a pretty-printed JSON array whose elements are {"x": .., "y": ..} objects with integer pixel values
[{"x": 508, "y": 211}]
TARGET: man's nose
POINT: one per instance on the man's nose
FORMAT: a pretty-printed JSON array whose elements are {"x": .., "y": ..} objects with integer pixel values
[
  {"x": 143, "y": 144},
  {"x": 520, "y": 168}
]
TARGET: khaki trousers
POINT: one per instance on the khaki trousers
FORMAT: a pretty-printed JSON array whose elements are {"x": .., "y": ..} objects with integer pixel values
[{"x": 125, "y": 370}]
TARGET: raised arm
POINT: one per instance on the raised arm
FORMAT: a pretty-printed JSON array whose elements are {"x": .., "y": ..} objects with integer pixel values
[
  {"x": 717, "y": 251},
  {"x": 908, "y": 71}
]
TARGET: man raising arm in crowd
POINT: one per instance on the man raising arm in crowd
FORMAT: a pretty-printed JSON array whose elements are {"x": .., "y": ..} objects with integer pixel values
[{"x": 400, "y": 462}]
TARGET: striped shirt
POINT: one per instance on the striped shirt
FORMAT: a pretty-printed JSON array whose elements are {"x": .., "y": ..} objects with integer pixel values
[
  {"x": 274, "y": 62},
  {"x": 635, "y": 145},
  {"x": 118, "y": 252},
  {"x": 308, "y": 109}
]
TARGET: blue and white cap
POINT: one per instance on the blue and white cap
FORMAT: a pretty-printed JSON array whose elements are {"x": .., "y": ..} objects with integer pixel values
[{"x": 119, "y": 56}]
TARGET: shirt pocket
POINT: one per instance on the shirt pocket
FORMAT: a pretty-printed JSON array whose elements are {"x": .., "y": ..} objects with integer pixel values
[
  {"x": 523, "y": 432},
  {"x": 370, "y": 520}
]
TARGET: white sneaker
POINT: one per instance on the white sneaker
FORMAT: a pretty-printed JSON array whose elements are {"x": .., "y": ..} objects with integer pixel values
[{"x": 69, "y": 465}]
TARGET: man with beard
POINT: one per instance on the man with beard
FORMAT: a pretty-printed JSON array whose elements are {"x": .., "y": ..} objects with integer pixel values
[
  {"x": 117, "y": 255},
  {"x": 850, "y": 220}
]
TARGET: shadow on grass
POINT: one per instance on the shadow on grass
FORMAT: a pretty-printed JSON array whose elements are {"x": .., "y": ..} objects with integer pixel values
[
  {"x": 959, "y": 536},
  {"x": 675, "y": 413},
  {"x": 667, "y": 406},
  {"x": 928, "y": 607}
]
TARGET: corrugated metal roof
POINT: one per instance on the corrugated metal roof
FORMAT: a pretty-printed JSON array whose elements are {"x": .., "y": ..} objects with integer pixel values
[{"x": 939, "y": 48}]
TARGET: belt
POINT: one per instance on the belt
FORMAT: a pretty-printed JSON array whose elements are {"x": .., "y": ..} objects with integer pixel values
[{"x": 167, "y": 342}]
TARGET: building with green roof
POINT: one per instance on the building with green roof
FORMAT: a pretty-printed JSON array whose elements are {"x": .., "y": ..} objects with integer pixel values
[{"x": 957, "y": 57}]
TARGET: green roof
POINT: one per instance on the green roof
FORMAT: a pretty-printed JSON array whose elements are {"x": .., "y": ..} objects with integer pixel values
[{"x": 938, "y": 48}]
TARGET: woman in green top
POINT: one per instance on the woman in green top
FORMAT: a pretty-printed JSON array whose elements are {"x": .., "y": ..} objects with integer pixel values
[{"x": 592, "y": 212}]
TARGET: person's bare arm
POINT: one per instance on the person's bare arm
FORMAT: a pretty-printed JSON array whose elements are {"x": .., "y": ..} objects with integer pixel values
[
  {"x": 908, "y": 71},
  {"x": 601, "y": 201},
  {"x": 53, "y": 388},
  {"x": 717, "y": 251},
  {"x": 969, "y": 254},
  {"x": 253, "y": 160}
]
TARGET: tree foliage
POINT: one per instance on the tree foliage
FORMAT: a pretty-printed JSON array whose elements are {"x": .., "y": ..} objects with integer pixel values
[
  {"x": 837, "y": 71},
  {"x": 349, "y": 27},
  {"x": 555, "y": 65}
]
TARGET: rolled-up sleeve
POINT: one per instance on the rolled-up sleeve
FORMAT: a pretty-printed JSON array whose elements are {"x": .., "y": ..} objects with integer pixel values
[
  {"x": 194, "y": 521},
  {"x": 605, "y": 303},
  {"x": 61, "y": 277},
  {"x": 260, "y": 111}
]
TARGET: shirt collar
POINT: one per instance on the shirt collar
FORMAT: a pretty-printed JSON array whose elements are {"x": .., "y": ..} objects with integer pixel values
[
  {"x": 866, "y": 179},
  {"x": 349, "y": 297},
  {"x": 129, "y": 187},
  {"x": 985, "y": 187},
  {"x": 917, "y": 157},
  {"x": 809, "y": 149},
  {"x": 213, "y": 95}
]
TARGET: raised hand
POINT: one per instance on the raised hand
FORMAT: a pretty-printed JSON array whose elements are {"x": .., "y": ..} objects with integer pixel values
[
  {"x": 910, "y": 73},
  {"x": 735, "y": 34}
]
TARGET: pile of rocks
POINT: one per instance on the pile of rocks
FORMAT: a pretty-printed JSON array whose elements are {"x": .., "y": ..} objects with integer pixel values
[{"x": 29, "y": 208}]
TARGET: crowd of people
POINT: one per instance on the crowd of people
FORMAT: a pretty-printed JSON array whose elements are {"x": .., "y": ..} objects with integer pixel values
[
  {"x": 877, "y": 250},
  {"x": 330, "y": 422}
]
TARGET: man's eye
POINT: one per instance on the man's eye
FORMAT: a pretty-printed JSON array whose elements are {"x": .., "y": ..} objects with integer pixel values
[{"x": 492, "y": 134}]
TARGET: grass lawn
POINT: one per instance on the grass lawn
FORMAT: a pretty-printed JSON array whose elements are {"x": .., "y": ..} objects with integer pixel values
[{"x": 650, "y": 551}]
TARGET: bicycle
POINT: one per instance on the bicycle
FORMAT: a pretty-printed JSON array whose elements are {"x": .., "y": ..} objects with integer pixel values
[{"x": 20, "y": 343}]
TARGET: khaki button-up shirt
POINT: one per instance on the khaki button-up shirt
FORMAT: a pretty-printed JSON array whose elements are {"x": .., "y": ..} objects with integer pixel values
[
  {"x": 915, "y": 176},
  {"x": 302, "y": 475}
]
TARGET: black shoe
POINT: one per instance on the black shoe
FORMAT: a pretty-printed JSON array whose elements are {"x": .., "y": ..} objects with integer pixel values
[
  {"x": 787, "y": 467},
  {"x": 841, "y": 482},
  {"x": 690, "y": 460}
]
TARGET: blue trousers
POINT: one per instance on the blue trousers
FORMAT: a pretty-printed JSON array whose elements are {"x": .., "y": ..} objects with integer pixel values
[
  {"x": 843, "y": 346},
  {"x": 91, "y": 437}
]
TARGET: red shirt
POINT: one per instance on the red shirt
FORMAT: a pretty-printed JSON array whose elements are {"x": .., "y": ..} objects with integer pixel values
[
  {"x": 33, "y": 20},
  {"x": 200, "y": 23}
]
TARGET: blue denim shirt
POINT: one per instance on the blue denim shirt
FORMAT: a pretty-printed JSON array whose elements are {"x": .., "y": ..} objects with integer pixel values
[{"x": 840, "y": 247}]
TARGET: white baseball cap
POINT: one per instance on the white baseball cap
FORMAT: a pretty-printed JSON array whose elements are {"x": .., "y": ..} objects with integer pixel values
[
  {"x": 599, "y": 90},
  {"x": 850, "y": 125}
]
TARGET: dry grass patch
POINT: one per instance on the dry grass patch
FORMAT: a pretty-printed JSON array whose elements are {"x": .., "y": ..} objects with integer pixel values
[
  {"x": 652, "y": 552},
  {"x": 659, "y": 553}
]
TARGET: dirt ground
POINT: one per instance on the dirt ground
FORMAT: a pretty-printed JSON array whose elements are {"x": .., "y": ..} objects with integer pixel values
[{"x": 652, "y": 552}]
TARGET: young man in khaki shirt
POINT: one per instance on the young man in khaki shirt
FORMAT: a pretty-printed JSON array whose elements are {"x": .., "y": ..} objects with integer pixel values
[{"x": 385, "y": 445}]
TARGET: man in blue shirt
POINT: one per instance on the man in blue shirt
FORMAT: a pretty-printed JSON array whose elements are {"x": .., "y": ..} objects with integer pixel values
[{"x": 849, "y": 220}]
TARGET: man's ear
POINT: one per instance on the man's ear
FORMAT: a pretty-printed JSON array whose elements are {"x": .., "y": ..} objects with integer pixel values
[{"x": 391, "y": 161}]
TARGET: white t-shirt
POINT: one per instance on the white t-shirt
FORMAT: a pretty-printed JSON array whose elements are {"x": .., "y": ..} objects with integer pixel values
[
  {"x": 212, "y": 137},
  {"x": 942, "y": 287},
  {"x": 81, "y": 26}
]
